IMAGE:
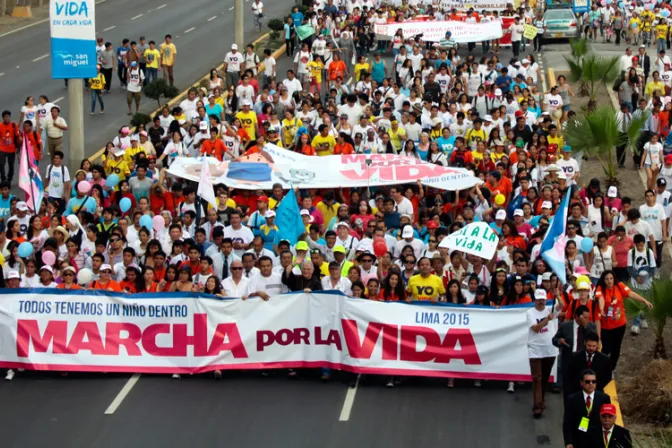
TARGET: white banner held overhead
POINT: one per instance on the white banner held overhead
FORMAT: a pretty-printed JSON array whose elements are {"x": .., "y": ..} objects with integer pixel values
[
  {"x": 53, "y": 329},
  {"x": 476, "y": 238},
  {"x": 290, "y": 169},
  {"x": 433, "y": 31}
]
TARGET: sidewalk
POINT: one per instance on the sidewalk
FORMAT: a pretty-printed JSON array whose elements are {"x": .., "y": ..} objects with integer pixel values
[{"x": 9, "y": 24}]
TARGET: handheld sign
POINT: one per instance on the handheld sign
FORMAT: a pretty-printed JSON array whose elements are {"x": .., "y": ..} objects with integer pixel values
[{"x": 476, "y": 238}]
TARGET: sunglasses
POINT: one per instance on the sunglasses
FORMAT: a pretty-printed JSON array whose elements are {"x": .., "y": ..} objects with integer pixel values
[
  {"x": 114, "y": 240},
  {"x": 368, "y": 260},
  {"x": 432, "y": 241},
  {"x": 236, "y": 269},
  {"x": 68, "y": 273},
  {"x": 590, "y": 381},
  {"x": 409, "y": 261}
]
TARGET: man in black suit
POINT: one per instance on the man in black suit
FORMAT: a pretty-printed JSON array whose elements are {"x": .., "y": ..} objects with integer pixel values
[
  {"x": 582, "y": 412},
  {"x": 610, "y": 435},
  {"x": 589, "y": 358},
  {"x": 570, "y": 338},
  {"x": 644, "y": 62}
]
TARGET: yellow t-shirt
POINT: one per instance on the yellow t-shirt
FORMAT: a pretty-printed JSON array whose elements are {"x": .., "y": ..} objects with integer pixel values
[
  {"x": 638, "y": 22},
  {"x": 477, "y": 156},
  {"x": 129, "y": 156},
  {"x": 289, "y": 128},
  {"x": 557, "y": 140},
  {"x": 328, "y": 213},
  {"x": 152, "y": 58},
  {"x": 359, "y": 68},
  {"x": 97, "y": 83},
  {"x": 248, "y": 122},
  {"x": 395, "y": 137},
  {"x": 120, "y": 168},
  {"x": 324, "y": 146},
  {"x": 474, "y": 136},
  {"x": 316, "y": 70},
  {"x": 661, "y": 31},
  {"x": 651, "y": 86},
  {"x": 168, "y": 51},
  {"x": 429, "y": 288}
]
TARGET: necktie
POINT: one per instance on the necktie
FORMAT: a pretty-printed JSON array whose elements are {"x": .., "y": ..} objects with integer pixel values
[
  {"x": 606, "y": 438},
  {"x": 588, "y": 403},
  {"x": 579, "y": 338},
  {"x": 590, "y": 361},
  {"x": 225, "y": 269}
]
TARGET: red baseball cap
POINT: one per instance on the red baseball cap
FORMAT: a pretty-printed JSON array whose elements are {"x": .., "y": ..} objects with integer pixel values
[
  {"x": 262, "y": 199},
  {"x": 519, "y": 113},
  {"x": 608, "y": 409},
  {"x": 432, "y": 225}
]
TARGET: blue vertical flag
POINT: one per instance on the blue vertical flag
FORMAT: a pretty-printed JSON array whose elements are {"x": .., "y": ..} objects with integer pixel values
[
  {"x": 288, "y": 219},
  {"x": 554, "y": 243}
]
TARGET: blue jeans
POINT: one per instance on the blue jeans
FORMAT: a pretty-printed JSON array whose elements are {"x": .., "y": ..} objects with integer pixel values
[
  {"x": 637, "y": 320},
  {"x": 660, "y": 44},
  {"x": 152, "y": 74},
  {"x": 95, "y": 94}
]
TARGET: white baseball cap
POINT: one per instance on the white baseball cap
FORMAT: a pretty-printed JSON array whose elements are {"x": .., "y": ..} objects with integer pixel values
[
  {"x": 13, "y": 274},
  {"x": 234, "y": 46},
  {"x": 518, "y": 212},
  {"x": 105, "y": 267},
  {"x": 343, "y": 223},
  {"x": 407, "y": 232},
  {"x": 612, "y": 192},
  {"x": 501, "y": 214},
  {"x": 546, "y": 204},
  {"x": 270, "y": 214},
  {"x": 546, "y": 277},
  {"x": 540, "y": 294},
  {"x": 22, "y": 206},
  {"x": 562, "y": 175}
]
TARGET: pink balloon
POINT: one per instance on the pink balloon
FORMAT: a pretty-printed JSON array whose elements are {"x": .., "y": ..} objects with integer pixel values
[
  {"x": 158, "y": 223},
  {"x": 48, "y": 258},
  {"x": 83, "y": 187}
]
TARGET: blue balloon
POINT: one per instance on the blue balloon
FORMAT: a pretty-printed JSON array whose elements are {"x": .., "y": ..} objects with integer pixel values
[
  {"x": 112, "y": 180},
  {"x": 146, "y": 222},
  {"x": 586, "y": 245},
  {"x": 665, "y": 13},
  {"x": 125, "y": 205},
  {"x": 25, "y": 249},
  {"x": 634, "y": 26},
  {"x": 620, "y": 5}
]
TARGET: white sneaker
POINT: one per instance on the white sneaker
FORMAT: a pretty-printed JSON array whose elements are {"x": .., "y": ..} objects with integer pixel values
[
  {"x": 10, "y": 375},
  {"x": 390, "y": 383},
  {"x": 634, "y": 329},
  {"x": 477, "y": 383},
  {"x": 176, "y": 376},
  {"x": 451, "y": 382},
  {"x": 511, "y": 388},
  {"x": 643, "y": 324}
]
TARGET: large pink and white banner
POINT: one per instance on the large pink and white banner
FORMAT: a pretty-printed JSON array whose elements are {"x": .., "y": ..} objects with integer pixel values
[{"x": 93, "y": 331}]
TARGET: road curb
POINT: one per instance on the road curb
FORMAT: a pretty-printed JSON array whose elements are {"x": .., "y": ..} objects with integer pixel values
[{"x": 173, "y": 101}]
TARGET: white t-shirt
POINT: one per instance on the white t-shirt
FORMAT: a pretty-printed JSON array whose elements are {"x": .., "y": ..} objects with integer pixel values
[
  {"x": 30, "y": 113},
  {"x": 232, "y": 290},
  {"x": 415, "y": 59},
  {"x": 540, "y": 345},
  {"x": 292, "y": 86},
  {"x": 271, "y": 285},
  {"x": 653, "y": 216},
  {"x": 653, "y": 153},
  {"x": 405, "y": 207},
  {"x": 301, "y": 60},
  {"x": 57, "y": 178},
  {"x": 553, "y": 101},
  {"x": 233, "y": 61},
  {"x": 243, "y": 235},
  {"x": 135, "y": 79},
  {"x": 269, "y": 66},
  {"x": 43, "y": 112},
  {"x": 245, "y": 92},
  {"x": 188, "y": 106},
  {"x": 569, "y": 167}
]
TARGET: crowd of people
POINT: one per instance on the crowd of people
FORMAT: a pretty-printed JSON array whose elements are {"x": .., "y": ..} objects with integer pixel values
[{"x": 445, "y": 106}]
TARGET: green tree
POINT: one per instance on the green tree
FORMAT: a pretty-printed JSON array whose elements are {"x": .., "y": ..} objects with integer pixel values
[
  {"x": 591, "y": 70},
  {"x": 160, "y": 88},
  {"x": 595, "y": 133},
  {"x": 276, "y": 26},
  {"x": 660, "y": 296}
]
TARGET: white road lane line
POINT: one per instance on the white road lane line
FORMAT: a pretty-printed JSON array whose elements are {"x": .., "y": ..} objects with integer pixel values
[
  {"x": 110, "y": 28},
  {"x": 349, "y": 402},
  {"x": 212, "y": 18},
  {"x": 137, "y": 17},
  {"x": 2, "y": 74},
  {"x": 122, "y": 394},
  {"x": 161, "y": 7},
  {"x": 230, "y": 9},
  {"x": 58, "y": 99},
  {"x": 190, "y": 30},
  {"x": 41, "y": 57}
]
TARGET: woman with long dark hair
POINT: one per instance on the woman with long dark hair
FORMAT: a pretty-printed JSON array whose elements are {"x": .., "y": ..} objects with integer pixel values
[
  {"x": 611, "y": 296},
  {"x": 393, "y": 288}
]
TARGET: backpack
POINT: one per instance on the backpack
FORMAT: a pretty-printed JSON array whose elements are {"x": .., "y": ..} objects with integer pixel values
[
  {"x": 51, "y": 167},
  {"x": 459, "y": 161}
]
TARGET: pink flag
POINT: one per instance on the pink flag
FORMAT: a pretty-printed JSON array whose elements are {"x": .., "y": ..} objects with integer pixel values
[{"x": 30, "y": 180}]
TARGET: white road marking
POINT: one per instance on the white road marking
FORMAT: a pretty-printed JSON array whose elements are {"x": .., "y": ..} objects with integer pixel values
[
  {"x": 230, "y": 9},
  {"x": 161, "y": 7},
  {"x": 18, "y": 66},
  {"x": 58, "y": 99},
  {"x": 212, "y": 18},
  {"x": 1, "y": 74},
  {"x": 110, "y": 28},
  {"x": 190, "y": 30},
  {"x": 122, "y": 394},
  {"x": 137, "y": 17},
  {"x": 349, "y": 401},
  {"x": 41, "y": 57}
]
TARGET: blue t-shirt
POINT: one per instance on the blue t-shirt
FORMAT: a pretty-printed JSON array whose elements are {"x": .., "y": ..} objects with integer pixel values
[
  {"x": 5, "y": 206},
  {"x": 288, "y": 31},
  {"x": 504, "y": 83},
  {"x": 214, "y": 110},
  {"x": 446, "y": 145},
  {"x": 297, "y": 18}
]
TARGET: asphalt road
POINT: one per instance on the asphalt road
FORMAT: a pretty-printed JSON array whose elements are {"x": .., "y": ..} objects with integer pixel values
[
  {"x": 246, "y": 410},
  {"x": 203, "y": 31}
]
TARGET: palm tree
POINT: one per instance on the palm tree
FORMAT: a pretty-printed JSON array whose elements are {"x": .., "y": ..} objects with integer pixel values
[
  {"x": 591, "y": 70},
  {"x": 660, "y": 295},
  {"x": 596, "y": 134}
]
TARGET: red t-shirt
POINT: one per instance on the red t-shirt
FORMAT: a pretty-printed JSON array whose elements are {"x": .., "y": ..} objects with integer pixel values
[
  {"x": 216, "y": 149},
  {"x": 8, "y": 134}
]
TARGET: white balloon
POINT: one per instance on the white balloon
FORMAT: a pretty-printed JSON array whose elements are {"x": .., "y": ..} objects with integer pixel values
[{"x": 84, "y": 276}]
